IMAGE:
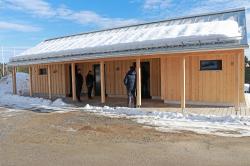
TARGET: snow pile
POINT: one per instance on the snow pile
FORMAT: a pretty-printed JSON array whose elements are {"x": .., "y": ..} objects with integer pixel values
[
  {"x": 23, "y": 102},
  {"x": 234, "y": 126},
  {"x": 22, "y": 84},
  {"x": 246, "y": 88},
  {"x": 143, "y": 36}
]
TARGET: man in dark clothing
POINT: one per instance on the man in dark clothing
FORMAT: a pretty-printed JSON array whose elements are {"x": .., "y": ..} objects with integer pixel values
[
  {"x": 79, "y": 82},
  {"x": 130, "y": 83},
  {"x": 90, "y": 83}
]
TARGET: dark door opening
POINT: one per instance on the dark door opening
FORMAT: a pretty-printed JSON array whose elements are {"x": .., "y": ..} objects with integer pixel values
[
  {"x": 97, "y": 78},
  {"x": 145, "y": 79}
]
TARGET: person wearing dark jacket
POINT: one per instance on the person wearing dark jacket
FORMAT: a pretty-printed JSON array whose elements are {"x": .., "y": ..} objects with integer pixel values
[
  {"x": 79, "y": 83},
  {"x": 130, "y": 83},
  {"x": 90, "y": 83}
]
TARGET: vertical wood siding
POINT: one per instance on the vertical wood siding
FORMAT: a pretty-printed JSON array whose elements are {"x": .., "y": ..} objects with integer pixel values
[
  {"x": 40, "y": 82},
  {"x": 202, "y": 86}
]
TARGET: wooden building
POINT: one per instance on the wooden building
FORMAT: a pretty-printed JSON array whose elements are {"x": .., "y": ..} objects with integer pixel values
[{"x": 197, "y": 59}]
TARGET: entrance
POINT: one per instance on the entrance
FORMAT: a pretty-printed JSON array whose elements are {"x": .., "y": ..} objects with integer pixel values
[
  {"x": 97, "y": 78},
  {"x": 145, "y": 80}
]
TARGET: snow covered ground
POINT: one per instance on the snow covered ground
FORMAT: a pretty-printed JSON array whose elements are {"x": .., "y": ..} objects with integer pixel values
[
  {"x": 21, "y": 102},
  {"x": 234, "y": 126}
]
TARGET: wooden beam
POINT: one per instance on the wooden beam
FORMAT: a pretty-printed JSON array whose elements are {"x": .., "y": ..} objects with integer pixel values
[
  {"x": 30, "y": 82},
  {"x": 154, "y": 55},
  {"x": 237, "y": 83},
  {"x": 64, "y": 79},
  {"x": 138, "y": 82},
  {"x": 14, "y": 80},
  {"x": 162, "y": 64},
  {"x": 183, "y": 80},
  {"x": 73, "y": 76},
  {"x": 102, "y": 82},
  {"x": 49, "y": 82}
]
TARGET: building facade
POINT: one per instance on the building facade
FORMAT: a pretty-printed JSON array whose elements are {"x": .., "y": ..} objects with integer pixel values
[{"x": 192, "y": 60}]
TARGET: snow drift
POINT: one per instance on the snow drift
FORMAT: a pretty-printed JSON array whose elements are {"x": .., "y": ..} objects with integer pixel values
[{"x": 23, "y": 102}]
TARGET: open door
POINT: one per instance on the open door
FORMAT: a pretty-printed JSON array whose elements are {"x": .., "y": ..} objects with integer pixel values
[
  {"x": 145, "y": 79},
  {"x": 97, "y": 78}
]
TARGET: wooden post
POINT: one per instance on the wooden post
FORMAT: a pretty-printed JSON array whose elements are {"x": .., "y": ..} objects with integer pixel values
[
  {"x": 237, "y": 84},
  {"x": 162, "y": 60},
  {"x": 64, "y": 80},
  {"x": 30, "y": 82},
  {"x": 183, "y": 88},
  {"x": 73, "y": 74},
  {"x": 138, "y": 82},
  {"x": 14, "y": 80},
  {"x": 102, "y": 82},
  {"x": 49, "y": 82}
]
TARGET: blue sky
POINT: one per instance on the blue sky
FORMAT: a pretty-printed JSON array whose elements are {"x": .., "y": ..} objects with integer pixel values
[{"x": 25, "y": 23}]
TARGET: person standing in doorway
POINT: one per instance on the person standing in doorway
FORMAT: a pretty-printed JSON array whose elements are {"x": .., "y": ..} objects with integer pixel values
[
  {"x": 79, "y": 83},
  {"x": 130, "y": 83},
  {"x": 90, "y": 83}
]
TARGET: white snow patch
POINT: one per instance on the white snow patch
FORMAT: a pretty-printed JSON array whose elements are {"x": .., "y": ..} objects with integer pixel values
[
  {"x": 23, "y": 102},
  {"x": 158, "y": 34},
  {"x": 233, "y": 126}
]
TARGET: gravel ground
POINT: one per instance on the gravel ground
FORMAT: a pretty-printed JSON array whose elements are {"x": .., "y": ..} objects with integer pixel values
[{"x": 80, "y": 138}]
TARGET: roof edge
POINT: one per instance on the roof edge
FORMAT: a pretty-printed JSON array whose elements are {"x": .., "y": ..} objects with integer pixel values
[{"x": 24, "y": 63}]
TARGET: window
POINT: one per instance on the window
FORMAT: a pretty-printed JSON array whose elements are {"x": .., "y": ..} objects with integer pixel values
[
  {"x": 210, "y": 65},
  {"x": 43, "y": 71}
]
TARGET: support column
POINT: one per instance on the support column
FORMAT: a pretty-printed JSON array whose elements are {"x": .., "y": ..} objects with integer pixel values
[
  {"x": 73, "y": 76},
  {"x": 138, "y": 82},
  {"x": 14, "y": 80},
  {"x": 183, "y": 78},
  {"x": 30, "y": 82},
  {"x": 49, "y": 82},
  {"x": 102, "y": 82},
  {"x": 237, "y": 83}
]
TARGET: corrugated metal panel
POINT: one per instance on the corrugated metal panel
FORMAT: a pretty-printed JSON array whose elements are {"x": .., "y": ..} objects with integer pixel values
[{"x": 197, "y": 32}]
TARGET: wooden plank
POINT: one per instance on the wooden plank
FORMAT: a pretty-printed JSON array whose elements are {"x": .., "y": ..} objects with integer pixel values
[
  {"x": 237, "y": 80},
  {"x": 49, "y": 82},
  {"x": 155, "y": 55},
  {"x": 162, "y": 65},
  {"x": 30, "y": 81},
  {"x": 64, "y": 80},
  {"x": 14, "y": 80},
  {"x": 73, "y": 73},
  {"x": 182, "y": 83},
  {"x": 138, "y": 82},
  {"x": 102, "y": 82}
]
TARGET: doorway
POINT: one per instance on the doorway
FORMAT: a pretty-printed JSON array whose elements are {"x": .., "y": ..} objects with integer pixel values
[
  {"x": 97, "y": 78},
  {"x": 145, "y": 80}
]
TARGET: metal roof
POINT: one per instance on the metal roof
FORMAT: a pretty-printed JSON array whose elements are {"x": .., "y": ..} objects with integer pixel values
[{"x": 221, "y": 30}]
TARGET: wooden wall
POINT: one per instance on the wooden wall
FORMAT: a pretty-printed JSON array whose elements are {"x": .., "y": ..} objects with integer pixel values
[
  {"x": 40, "y": 82},
  {"x": 203, "y": 86},
  {"x": 115, "y": 72}
]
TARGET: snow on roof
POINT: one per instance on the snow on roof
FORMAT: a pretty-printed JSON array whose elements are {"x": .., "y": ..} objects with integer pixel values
[{"x": 216, "y": 30}]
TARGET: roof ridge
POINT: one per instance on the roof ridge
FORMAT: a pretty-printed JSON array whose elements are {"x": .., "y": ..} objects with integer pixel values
[{"x": 152, "y": 22}]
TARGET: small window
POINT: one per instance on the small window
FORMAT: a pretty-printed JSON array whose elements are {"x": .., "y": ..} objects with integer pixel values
[
  {"x": 43, "y": 71},
  {"x": 211, "y": 65}
]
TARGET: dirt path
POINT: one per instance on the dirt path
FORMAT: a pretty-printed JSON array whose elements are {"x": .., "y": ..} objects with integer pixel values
[{"x": 79, "y": 138}]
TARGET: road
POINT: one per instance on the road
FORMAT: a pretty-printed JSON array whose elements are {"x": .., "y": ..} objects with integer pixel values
[{"x": 80, "y": 138}]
